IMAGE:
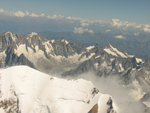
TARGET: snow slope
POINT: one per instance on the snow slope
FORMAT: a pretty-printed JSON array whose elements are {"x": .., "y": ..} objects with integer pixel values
[
  {"x": 115, "y": 52},
  {"x": 36, "y": 92}
]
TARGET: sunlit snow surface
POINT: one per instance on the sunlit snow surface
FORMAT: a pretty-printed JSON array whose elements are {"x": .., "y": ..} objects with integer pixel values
[
  {"x": 32, "y": 34},
  {"x": 41, "y": 93},
  {"x": 113, "y": 51}
]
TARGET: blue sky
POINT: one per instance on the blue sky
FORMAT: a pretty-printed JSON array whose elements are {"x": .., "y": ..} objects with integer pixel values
[{"x": 126, "y": 10}]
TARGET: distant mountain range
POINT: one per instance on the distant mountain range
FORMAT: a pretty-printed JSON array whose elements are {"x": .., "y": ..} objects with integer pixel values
[
  {"x": 60, "y": 55},
  {"x": 65, "y": 57},
  {"x": 137, "y": 44}
]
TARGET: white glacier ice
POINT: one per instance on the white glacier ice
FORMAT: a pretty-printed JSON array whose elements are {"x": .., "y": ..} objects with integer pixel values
[{"x": 41, "y": 93}]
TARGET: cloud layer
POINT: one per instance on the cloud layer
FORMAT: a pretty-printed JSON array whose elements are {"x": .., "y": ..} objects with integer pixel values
[
  {"x": 81, "y": 30},
  {"x": 17, "y": 14},
  {"x": 120, "y": 37},
  {"x": 115, "y": 23},
  {"x": 124, "y": 25},
  {"x": 22, "y": 14},
  {"x": 107, "y": 30}
]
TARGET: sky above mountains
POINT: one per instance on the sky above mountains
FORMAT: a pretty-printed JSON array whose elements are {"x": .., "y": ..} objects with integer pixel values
[
  {"x": 137, "y": 11},
  {"x": 78, "y": 17}
]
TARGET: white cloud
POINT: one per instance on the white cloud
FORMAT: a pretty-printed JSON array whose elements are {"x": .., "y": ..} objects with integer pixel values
[
  {"x": 81, "y": 30},
  {"x": 42, "y": 15},
  {"x": 136, "y": 25},
  {"x": 74, "y": 18},
  {"x": 90, "y": 31},
  {"x": 120, "y": 24},
  {"x": 125, "y": 24},
  {"x": 84, "y": 24},
  {"x": 146, "y": 29},
  {"x": 34, "y": 15},
  {"x": 22, "y": 14},
  {"x": 107, "y": 30},
  {"x": 60, "y": 16},
  {"x": 120, "y": 37},
  {"x": 55, "y": 17},
  {"x": 1, "y": 10},
  {"x": 136, "y": 34},
  {"x": 100, "y": 22},
  {"x": 17, "y": 14},
  {"x": 52, "y": 17},
  {"x": 27, "y": 13}
]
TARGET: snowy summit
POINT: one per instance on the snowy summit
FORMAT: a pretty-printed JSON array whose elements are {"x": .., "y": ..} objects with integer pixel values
[{"x": 27, "y": 90}]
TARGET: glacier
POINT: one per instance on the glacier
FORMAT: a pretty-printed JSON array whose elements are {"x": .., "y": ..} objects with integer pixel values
[{"x": 26, "y": 90}]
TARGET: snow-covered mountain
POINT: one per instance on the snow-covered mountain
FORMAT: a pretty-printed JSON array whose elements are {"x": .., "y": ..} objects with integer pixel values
[
  {"x": 60, "y": 55},
  {"x": 65, "y": 57},
  {"x": 26, "y": 90},
  {"x": 22, "y": 85},
  {"x": 41, "y": 53},
  {"x": 107, "y": 61}
]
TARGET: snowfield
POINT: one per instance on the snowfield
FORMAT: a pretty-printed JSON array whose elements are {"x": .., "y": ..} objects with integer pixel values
[{"x": 35, "y": 92}]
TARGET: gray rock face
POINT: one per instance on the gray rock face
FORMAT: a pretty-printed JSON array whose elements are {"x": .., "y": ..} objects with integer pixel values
[
  {"x": 143, "y": 74},
  {"x": 65, "y": 48},
  {"x": 13, "y": 59},
  {"x": 38, "y": 52},
  {"x": 146, "y": 97},
  {"x": 10, "y": 43}
]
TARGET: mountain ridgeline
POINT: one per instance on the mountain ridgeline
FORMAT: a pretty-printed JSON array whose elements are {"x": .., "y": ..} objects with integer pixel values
[{"x": 69, "y": 58}]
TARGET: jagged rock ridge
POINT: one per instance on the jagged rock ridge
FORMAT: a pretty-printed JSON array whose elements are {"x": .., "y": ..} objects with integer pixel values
[{"x": 60, "y": 55}]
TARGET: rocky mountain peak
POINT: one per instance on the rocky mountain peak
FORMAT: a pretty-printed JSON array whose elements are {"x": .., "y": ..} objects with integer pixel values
[
  {"x": 108, "y": 46},
  {"x": 32, "y": 34},
  {"x": 8, "y": 39}
]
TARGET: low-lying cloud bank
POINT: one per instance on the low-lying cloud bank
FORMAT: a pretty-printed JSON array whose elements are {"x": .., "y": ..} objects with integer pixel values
[
  {"x": 120, "y": 37},
  {"x": 115, "y": 23},
  {"x": 81, "y": 30},
  {"x": 23, "y": 14}
]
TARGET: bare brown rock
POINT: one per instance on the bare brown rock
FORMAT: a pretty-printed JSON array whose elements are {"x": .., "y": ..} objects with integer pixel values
[{"x": 94, "y": 109}]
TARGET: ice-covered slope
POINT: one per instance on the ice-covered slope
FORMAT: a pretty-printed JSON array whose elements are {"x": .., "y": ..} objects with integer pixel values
[
  {"x": 115, "y": 52},
  {"x": 26, "y": 90}
]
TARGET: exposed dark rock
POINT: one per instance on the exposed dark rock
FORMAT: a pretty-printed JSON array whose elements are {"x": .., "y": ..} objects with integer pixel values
[{"x": 146, "y": 97}]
